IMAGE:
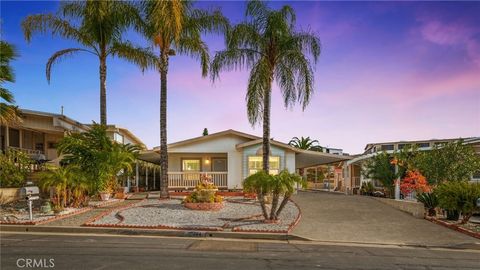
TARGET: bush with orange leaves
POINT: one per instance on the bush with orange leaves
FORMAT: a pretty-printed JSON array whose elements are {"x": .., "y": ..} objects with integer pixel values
[{"x": 414, "y": 181}]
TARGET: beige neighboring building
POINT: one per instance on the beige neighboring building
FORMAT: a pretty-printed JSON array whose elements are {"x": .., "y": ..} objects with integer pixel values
[
  {"x": 352, "y": 169},
  {"x": 39, "y": 133}
]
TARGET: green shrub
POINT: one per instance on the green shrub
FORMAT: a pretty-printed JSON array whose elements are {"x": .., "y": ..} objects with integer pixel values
[
  {"x": 14, "y": 168},
  {"x": 460, "y": 196},
  {"x": 430, "y": 201},
  {"x": 367, "y": 188}
]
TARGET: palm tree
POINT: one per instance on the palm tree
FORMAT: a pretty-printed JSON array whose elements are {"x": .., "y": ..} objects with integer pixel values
[
  {"x": 98, "y": 157},
  {"x": 99, "y": 32},
  {"x": 9, "y": 113},
  {"x": 268, "y": 45},
  {"x": 175, "y": 27},
  {"x": 305, "y": 143}
]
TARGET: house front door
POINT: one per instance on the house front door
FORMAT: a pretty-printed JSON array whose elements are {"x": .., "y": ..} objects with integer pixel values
[{"x": 219, "y": 164}]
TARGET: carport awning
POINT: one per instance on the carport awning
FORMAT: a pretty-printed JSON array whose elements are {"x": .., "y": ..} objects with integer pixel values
[
  {"x": 149, "y": 156},
  {"x": 305, "y": 158}
]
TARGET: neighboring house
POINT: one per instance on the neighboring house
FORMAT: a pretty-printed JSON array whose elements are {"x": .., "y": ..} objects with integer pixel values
[
  {"x": 39, "y": 133},
  {"x": 335, "y": 151},
  {"x": 230, "y": 156},
  {"x": 352, "y": 169}
]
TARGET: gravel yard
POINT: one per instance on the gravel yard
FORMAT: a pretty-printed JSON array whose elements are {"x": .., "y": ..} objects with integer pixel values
[{"x": 237, "y": 214}]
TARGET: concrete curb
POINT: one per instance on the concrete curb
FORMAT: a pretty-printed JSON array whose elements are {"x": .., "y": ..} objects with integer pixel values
[{"x": 149, "y": 232}]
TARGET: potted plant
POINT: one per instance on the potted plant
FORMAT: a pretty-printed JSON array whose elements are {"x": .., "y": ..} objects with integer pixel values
[
  {"x": 107, "y": 189},
  {"x": 204, "y": 196}
]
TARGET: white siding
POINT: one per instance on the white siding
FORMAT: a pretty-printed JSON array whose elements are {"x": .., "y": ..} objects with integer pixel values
[
  {"x": 252, "y": 151},
  {"x": 290, "y": 161},
  {"x": 213, "y": 147}
]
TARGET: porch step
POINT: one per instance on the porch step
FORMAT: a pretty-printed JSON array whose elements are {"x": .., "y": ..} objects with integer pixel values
[
  {"x": 153, "y": 195},
  {"x": 138, "y": 196}
]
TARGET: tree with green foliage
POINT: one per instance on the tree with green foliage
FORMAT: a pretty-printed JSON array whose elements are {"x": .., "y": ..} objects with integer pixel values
[
  {"x": 268, "y": 45},
  {"x": 380, "y": 168},
  {"x": 175, "y": 27},
  {"x": 14, "y": 168},
  {"x": 98, "y": 26},
  {"x": 280, "y": 185},
  {"x": 98, "y": 157},
  {"x": 69, "y": 183},
  {"x": 305, "y": 144},
  {"x": 9, "y": 113},
  {"x": 460, "y": 196},
  {"x": 453, "y": 161}
]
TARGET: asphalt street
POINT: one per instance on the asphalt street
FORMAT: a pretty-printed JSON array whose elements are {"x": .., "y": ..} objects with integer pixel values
[{"x": 49, "y": 251}]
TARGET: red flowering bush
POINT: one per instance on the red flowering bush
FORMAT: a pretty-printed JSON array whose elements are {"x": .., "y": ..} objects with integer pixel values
[{"x": 414, "y": 181}]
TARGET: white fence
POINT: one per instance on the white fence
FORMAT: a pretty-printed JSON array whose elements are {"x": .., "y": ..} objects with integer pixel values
[{"x": 191, "y": 179}]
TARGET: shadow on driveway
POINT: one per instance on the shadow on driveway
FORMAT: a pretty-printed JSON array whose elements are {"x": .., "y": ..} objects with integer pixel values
[{"x": 341, "y": 218}]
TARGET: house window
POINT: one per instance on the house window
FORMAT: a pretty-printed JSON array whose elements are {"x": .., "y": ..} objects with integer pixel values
[
  {"x": 255, "y": 164},
  {"x": 191, "y": 165},
  {"x": 403, "y": 145},
  {"x": 423, "y": 145},
  {"x": 476, "y": 176},
  {"x": 387, "y": 147},
  {"x": 118, "y": 138}
]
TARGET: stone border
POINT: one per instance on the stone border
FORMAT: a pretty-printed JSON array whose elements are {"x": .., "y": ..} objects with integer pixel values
[
  {"x": 89, "y": 223},
  {"x": 107, "y": 203},
  {"x": 454, "y": 226},
  {"x": 287, "y": 231},
  {"x": 43, "y": 221},
  {"x": 203, "y": 206}
]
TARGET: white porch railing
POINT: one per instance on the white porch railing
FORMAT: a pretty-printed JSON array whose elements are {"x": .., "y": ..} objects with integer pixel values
[
  {"x": 191, "y": 179},
  {"x": 26, "y": 151},
  {"x": 356, "y": 181}
]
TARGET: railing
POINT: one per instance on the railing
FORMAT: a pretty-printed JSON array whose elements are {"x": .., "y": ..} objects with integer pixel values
[
  {"x": 356, "y": 181},
  {"x": 191, "y": 179},
  {"x": 36, "y": 159},
  {"x": 26, "y": 151}
]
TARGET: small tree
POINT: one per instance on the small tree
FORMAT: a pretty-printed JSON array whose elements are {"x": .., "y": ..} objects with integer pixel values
[
  {"x": 453, "y": 161},
  {"x": 14, "y": 168},
  {"x": 380, "y": 168},
  {"x": 414, "y": 181},
  {"x": 205, "y": 132},
  {"x": 281, "y": 185},
  {"x": 460, "y": 196}
]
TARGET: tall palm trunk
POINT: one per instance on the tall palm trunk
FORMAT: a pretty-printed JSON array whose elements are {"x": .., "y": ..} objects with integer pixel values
[
  {"x": 266, "y": 130},
  {"x": 163, "y": 126},
  {"x": 103, "y": 89}
]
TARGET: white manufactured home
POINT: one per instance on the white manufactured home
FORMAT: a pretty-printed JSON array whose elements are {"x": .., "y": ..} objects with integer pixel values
[{"x": 229, "y": 157}]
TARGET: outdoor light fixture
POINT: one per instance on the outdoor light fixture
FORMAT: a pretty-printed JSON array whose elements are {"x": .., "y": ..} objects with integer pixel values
[{"x": 207, "y": 161}]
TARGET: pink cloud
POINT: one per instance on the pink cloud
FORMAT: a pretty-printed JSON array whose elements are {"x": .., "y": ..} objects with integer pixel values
[{"x": 453, "y": 33}]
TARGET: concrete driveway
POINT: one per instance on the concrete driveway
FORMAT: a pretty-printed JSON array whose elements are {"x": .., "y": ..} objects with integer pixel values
[{"x": 341, "y": 218}]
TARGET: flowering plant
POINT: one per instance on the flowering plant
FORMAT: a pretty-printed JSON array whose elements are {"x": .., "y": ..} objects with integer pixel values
[{"x": 414, "y": 181}]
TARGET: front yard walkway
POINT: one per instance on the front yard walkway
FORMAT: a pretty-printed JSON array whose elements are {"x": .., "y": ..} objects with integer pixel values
[
  {"x": 80, "y": 219},
  {"x": 337, "y": 217}
]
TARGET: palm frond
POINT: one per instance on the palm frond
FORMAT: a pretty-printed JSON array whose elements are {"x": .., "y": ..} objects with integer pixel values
[
  {"x": 197, "y": 49},
  {"x": 233, "y": 59},
  {"x": 6, "y": 95},
  {"x": 142, "y": 57},
  {"x": 56, "y": 57},
  {"x": 7, "y": 54},
  {"x": 258, "y": 84},
  {"x": 44, "y": 23},
  {"x": 9, "y": 114}
]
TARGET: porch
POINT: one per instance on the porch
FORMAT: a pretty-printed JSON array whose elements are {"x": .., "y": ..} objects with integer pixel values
[{"x": 188, "y": 180}]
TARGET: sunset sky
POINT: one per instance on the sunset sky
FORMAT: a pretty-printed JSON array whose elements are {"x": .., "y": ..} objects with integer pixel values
[{"x": 388, "y": 71}]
